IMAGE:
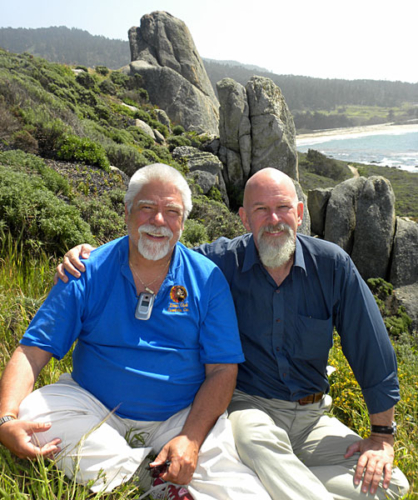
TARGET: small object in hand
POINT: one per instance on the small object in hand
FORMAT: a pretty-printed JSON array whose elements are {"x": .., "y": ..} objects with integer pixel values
[{"x": 156, "y": 470}]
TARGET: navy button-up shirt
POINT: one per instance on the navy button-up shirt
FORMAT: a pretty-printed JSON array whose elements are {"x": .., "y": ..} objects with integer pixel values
[{"x": 287, "y": 331}]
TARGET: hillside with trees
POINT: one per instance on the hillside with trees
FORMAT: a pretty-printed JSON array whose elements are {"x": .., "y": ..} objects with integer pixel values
[
  {"x": 67, "y": 46},
  {"x": 315, "y": 103}
]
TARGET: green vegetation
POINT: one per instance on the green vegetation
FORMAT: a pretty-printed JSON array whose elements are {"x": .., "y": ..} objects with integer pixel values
[
  {"x": 318, "y": 171},
  {"x": 353, "y": 116},
  {"x": 404, "y": 184},
  {"x": 48, "y": 115}
]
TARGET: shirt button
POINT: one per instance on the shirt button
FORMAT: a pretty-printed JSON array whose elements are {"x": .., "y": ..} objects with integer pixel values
[
  {"x": 277, "y": 349},
  {"x": 278, "y": 320},
  {"x": 284, "y": 375},
  {"x": 277, "y": 291}
]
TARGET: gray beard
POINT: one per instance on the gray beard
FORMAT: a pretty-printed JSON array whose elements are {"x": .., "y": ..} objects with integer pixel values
[
  {"x": 154, "y": 250},
  {"x": 278, "y": 253}
]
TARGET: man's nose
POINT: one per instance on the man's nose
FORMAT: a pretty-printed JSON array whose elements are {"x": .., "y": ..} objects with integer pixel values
[
  {"x": 274, "y": 217},
  {"x": 158, "y": 218}
]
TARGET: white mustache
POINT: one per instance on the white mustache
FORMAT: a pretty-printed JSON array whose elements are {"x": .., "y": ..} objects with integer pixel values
[{"x": 155, "y": 231}]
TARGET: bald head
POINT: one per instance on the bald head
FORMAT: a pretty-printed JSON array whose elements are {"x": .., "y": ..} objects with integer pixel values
[{"x": 265, "y": 181}]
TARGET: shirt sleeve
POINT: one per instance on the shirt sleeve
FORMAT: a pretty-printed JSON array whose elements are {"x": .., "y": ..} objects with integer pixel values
[
  {"x": 365, "y": 341},
  {"x": 58, "y": 321},
  {"x": 219, "y": 336}
]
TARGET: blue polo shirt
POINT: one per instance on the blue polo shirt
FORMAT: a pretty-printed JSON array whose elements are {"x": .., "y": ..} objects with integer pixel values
[
  {"x": 146, "y": 370},
  {"x": 287, "y": 331}
]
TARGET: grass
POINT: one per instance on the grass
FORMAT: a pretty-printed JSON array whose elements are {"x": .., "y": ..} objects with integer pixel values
[{"x": 25, "y": 282}]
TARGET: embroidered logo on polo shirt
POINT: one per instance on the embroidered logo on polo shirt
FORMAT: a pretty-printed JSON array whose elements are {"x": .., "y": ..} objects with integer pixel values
[{"x": 178, "y": 294}]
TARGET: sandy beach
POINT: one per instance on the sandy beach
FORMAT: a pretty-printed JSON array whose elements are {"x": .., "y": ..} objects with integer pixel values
[{"x": 339, "y": 133}]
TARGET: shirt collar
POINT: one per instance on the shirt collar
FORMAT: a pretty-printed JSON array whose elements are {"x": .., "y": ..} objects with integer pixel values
[{"x": 251, "y": 256}]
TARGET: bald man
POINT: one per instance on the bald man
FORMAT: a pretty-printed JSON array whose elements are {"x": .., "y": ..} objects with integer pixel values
[{"x": 290, "y": 291}]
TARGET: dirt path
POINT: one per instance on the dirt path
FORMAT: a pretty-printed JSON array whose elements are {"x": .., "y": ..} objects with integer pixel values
[{"x": 354, "y": 170}]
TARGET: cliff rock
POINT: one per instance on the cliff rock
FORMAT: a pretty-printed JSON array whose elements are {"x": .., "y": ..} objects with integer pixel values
[
  {"x": 404, "y": 269},
  {"x": 256, "y": 130},
  {"x": 375, "y": 228},
  {"x": 164, "y": 55}
]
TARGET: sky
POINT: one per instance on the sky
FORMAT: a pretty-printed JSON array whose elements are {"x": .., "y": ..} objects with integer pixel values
[{"x": 356, "y": 39}]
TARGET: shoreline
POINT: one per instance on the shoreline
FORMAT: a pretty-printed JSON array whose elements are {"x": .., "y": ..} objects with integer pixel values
[{"x": 319, "y": 136}]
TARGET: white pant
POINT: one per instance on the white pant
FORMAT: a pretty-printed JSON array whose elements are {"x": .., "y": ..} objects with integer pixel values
[
  {"x": 298, "y": 452},
  {"x": 101, "y": 447}
]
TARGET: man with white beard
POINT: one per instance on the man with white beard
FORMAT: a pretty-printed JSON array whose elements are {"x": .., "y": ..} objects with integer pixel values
[
  {"x": 156, "y": 357},
  {"x": 290, "y": 291}
]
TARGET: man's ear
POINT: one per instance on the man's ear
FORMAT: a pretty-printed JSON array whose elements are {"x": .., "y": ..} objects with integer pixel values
[
  {"x": 126, "y": 213},
  {"x": 244, "y": 218},
  {"x": 300, "y": 213}
]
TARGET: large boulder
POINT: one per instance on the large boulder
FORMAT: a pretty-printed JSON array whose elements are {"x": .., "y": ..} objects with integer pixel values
[
  {"x": 235, "y": 130},
  {"x": 272, "y": 128},
  {"x": 360, "y": 218},
  {"x": 340, "y": 218},
  {"x": 317, "y": 205},
  {"x": 404, "y": 267},
  {"x": 375, "y": 228},
  {"x": 256, "y": 130},
  {"x": 164, "y": 55}
]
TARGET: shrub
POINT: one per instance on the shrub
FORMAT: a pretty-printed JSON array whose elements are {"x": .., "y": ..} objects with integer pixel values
[
  {"x": 178, "y": 130},
  {"x": 194, "y": 234},
  {"x": 119, "y": 78},
  {"x": 216, "y": 218},
  {"x": 177, "y": 141},
  {"x": 319, "y": 164},
  {"x": 105, "y": 223},
  {"x": 84, "y": 68},
  {"x": 125, "y": 157},
  {"x": 102, "y": 70},
  {"x": 86, "y": 80},
  {"x": 31, "y": 213},
  {"x": 107, "y": 87},
  {"x": 30, "y": 164},
  {"x": 84, "y": 150},
  {"x": 102, "y": 112},
  {"x": 394, "y": 315},
  {"x": 25, "y": 141}
]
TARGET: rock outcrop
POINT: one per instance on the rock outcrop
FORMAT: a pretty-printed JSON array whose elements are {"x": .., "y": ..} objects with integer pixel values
[
  {"x": 340, "y": 218},
  {"x": 164, "y": 55},
  {"x": 317, "y": 206},
  {"x": 404, "y": 268},
  {"x": 205, "y": 169},
  {"x": 375, "y": 228},
  {"x": 256, "y": 130},
  {"x": 360, "y": 218}
]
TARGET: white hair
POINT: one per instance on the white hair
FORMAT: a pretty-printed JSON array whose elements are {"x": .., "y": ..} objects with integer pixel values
[{"x": 163, "y": 173}]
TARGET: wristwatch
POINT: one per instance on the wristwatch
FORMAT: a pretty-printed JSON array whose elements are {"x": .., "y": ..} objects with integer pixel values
[
  {"x": 384, "y": 429},
  {"x": 6, "y": 418}
]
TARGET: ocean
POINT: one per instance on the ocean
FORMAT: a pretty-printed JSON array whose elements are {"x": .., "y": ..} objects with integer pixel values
[{"x": 392, "y": 148}]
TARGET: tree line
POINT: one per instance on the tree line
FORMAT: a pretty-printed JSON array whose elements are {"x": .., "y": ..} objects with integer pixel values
[{"x": 302, "y": 93}]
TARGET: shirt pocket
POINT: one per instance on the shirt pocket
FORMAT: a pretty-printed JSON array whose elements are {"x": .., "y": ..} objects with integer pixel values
[{"x": 313, "y": 338}]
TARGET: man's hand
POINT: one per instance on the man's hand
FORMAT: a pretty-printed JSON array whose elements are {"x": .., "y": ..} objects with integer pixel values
[
  {"x": 376, "y": 458},
  {"x": 182, "y": 453},
  {"x": 17, "y": 435},
  {"x": 72, "y": 263}
]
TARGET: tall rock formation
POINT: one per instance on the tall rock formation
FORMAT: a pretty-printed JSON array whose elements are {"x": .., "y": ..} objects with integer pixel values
[
  {"x": 256, "y": 130},
  {"x": 164, "y": 55}
]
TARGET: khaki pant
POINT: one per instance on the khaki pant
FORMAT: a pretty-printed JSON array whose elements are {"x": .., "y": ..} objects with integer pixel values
[
  {"x": 298, "y": 452},
  {"x": 100, "y": 447}
]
